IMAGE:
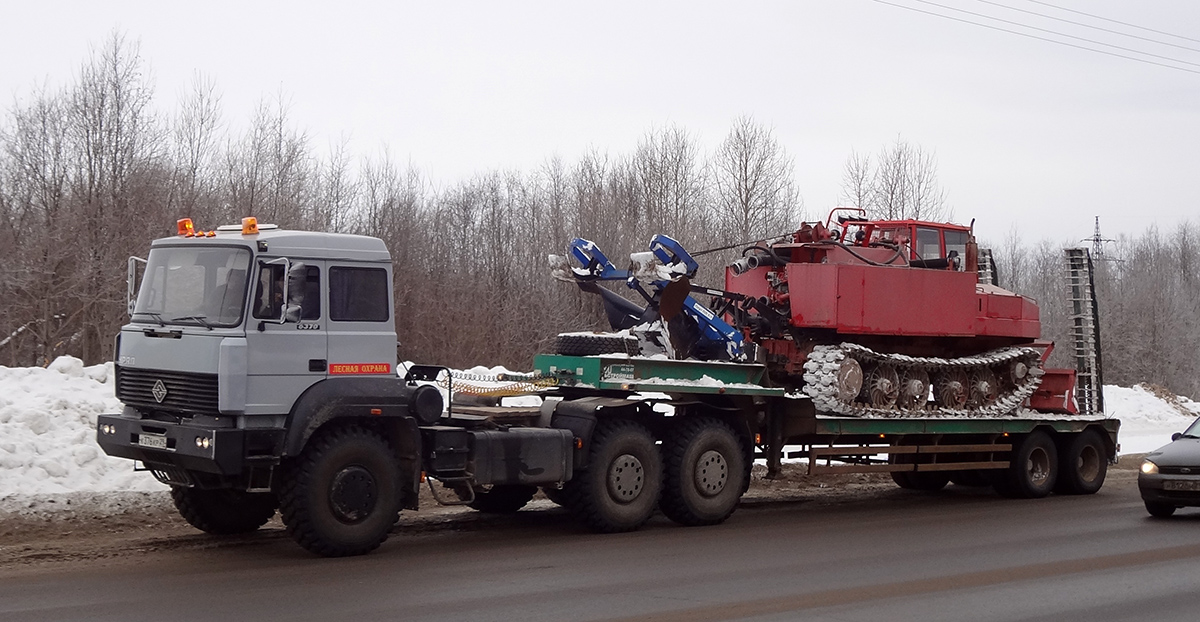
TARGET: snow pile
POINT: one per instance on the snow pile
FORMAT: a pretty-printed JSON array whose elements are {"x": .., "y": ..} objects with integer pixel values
[
  {"x": 1148, "y": 416},
  {"x": 47, "y": 431},
  {"x": 48, "y": 422}
]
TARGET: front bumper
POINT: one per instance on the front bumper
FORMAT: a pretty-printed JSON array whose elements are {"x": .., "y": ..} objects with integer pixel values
[
  {"x": 139, "y": 439},
  {"x": 1168, "y": 488}
]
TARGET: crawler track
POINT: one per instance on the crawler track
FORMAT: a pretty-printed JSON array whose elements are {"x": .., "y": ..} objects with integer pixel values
[{"x": 855, "y": 381}]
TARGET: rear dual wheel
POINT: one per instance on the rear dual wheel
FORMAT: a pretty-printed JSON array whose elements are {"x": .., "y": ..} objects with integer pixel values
[
  {"x": 1033, "y": 468},
  {"x": 1083, "y": 464}
]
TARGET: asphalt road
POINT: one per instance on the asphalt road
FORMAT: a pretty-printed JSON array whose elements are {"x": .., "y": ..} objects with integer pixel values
[{"x": 961, "y": 554}]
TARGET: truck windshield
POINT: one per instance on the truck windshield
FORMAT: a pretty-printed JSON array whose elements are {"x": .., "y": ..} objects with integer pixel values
[{"x": 194, "y": 286}]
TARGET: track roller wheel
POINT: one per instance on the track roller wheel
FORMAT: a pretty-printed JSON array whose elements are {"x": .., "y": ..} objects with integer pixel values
[
  {"x": 914, "y": 389},
  {"x": 951, "y": 390},
  {"x": 984, "y": 388},
  {"x": 1033, "y": 468},
  {"x": 882, "y": 387},
  {"x": 621, "y": 486},
  {"x": 705, "y": 472},
  {"x": 849, "y": 380}
]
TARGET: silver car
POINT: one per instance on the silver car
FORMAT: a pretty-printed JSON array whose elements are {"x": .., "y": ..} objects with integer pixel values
[{"x": 1170, "y": 476}]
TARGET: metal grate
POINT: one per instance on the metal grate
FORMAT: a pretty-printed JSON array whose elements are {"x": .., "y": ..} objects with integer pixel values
[
  {"x": 170, "y": 475},
  {"x": 180, "y": 391},
  {"x": 1085, "y": 332}
]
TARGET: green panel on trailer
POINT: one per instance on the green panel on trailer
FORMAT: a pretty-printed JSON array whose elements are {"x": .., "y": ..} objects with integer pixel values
[{"x": 661, "y": 375}]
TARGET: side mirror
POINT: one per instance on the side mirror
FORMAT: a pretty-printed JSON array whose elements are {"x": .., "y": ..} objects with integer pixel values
[{"x": 1176, "y": 436}]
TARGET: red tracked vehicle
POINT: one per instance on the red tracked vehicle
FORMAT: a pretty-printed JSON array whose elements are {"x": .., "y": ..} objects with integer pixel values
[{"x": 865, "y": 316}]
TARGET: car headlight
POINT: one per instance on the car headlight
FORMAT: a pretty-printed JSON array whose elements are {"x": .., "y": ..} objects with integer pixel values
[{"x": 1149, "y": 468}]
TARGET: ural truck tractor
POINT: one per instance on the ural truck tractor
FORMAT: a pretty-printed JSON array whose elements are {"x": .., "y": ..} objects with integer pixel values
[{"x": 258, "y": 373}]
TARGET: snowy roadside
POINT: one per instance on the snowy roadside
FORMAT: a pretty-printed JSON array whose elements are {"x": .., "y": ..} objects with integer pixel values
[{"x": 50, "y": 464}]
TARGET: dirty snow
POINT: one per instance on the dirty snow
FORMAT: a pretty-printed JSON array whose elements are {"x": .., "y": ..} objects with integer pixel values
[{"x": 48, "y": 419}]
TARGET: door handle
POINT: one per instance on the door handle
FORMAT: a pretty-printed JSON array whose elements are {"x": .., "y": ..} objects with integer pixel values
[{"x": 316, "y": 364}]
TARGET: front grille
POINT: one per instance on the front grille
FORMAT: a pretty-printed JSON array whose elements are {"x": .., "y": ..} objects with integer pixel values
[
  {"x": 1174, "y": 470},
  {"x": 184, "y": 391}
]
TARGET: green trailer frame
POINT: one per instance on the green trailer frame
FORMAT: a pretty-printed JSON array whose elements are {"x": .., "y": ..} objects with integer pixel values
[{"x": 775, "y": 420}]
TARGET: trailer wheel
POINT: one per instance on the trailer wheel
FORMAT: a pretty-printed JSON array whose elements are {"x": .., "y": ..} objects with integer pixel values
[
  {"x": 503, "y": 498},
  {"x": 705, "y": 472},
  {"x": 1033, "y": 468},
  {"x": 1160, "y": 510},
  {"x": 620, "y": 488},
  {"x": 590, "y": 345},
  {"x": 1083, "y": 464},
  {"x": 224, "y": 512},
  {"x": 342, "y": 495},
  {"x": 928, "y": 481}
]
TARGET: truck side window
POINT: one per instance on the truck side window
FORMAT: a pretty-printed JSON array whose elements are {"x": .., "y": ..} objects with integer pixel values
[
  {"x": 957, "y": 241},
  {"x": 358, "y": 294},
  {"x": 929, "y": 243},
  {"x": 311, "y": 308}
]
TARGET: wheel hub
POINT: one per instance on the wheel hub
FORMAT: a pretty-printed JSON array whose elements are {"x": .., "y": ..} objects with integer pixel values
[
  {"x": 849, "y": 380},
  {"x": 1038, "y": 466},
  {"x": 353, "y": 494},
  {"x": 625, "y": 478},
  {"x": 712, "y": 472}
]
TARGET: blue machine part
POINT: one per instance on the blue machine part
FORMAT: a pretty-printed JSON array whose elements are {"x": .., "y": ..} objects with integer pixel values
[{"x": 595, "y": 266}]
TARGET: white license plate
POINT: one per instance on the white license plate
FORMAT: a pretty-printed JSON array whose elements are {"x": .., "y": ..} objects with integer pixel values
[
  {"x": 1181, "y": 484},
  {"x": 150, "y": 440}
]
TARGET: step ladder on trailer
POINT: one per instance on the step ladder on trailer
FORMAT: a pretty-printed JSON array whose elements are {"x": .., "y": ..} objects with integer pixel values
[
  {"x": 1085, "y": 332},
  {"x": 987, "y": 268}
]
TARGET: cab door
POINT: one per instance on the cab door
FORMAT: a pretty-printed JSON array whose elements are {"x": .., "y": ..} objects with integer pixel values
[
  {"x": 284, "y": 359},
  {"x": 362, "y": 333}
]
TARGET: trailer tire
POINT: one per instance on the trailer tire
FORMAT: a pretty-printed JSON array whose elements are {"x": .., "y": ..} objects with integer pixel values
[
  {"x": 224, "y": 512},
  {"x": 621, "y": 486},
  {"x": 1083, "y": 464},
  {"x": 342, "y": 495},
  {"x": 1032, "y": 470},
  {"x": 1160, "y": 510},
  {"x": 705, "y": 472},
  {"x": 927, "y": 481},
  {"x": 591, "y": 345},
  {"x": 503, "y": 498}
]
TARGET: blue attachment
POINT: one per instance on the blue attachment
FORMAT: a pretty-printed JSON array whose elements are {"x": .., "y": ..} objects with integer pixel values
[{"x": 596, "y": 266}]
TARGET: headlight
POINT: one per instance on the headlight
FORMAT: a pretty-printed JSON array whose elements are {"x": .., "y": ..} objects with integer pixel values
[{"x": 1149, "y": 468}]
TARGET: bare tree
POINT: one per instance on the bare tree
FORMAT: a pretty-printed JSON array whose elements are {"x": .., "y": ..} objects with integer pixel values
[
  {"x": 754, "y": 185},
  {"x": 900, "y": 183}
]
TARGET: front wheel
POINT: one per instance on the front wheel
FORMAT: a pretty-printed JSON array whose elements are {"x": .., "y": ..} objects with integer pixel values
[
  {"x": 224, "y": 512},
  {"x": 620, "y": 488},
  {"x": 342, "y": 495},
  {"x": 1160, "y": 510},
  {"x": 705, "y": 472}
]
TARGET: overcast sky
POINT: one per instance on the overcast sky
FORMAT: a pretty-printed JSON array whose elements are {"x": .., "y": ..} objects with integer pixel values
[{"x": 1027, "y": 133}]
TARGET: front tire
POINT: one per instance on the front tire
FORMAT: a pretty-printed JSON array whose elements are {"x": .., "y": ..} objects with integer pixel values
[
  {"x": 224, "y": 512},
  {"x": 621, "y": 486},
  {"x": 705, "y": 472},
  {"x": 342, "y": 496},
  {"x": 1160, "y": 510}
]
